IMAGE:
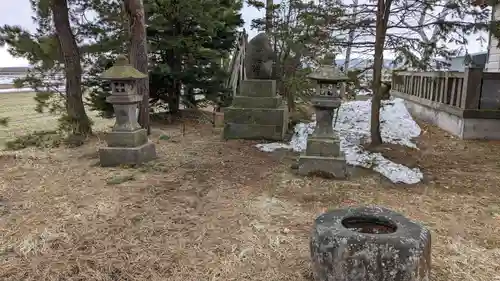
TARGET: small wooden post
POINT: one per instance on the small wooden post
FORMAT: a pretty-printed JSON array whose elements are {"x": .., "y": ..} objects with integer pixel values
[
  {"x": 447, "y": 89},
  {"x": 471, "y": 89},
  {"x": 420, "y": 90},
  {"x": 442, "y": 89}
]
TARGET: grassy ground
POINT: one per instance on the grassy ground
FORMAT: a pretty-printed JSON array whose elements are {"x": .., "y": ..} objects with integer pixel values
[
  {"x": 20, "y": 108},
  {"x": 214, "y": 210}
]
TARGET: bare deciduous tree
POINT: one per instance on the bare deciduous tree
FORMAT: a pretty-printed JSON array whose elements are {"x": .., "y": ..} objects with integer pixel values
[{"x": 420, "y": 34}]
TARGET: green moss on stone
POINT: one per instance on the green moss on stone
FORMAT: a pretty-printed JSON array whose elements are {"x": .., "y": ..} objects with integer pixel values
[{"x": 122, "y": 70}]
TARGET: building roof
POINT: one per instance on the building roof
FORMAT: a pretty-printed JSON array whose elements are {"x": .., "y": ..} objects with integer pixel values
[{"x": 459, "y": 63}]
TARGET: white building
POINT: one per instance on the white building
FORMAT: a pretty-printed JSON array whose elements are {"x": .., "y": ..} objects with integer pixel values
[{"x": 493, "y": 57}]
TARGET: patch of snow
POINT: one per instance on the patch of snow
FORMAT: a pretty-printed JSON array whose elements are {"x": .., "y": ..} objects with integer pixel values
[
  {"x": 16, "y": 90},
  {"x": 6, "y": 80},
  {"x": 363, "y": 92},
  {"x": 21, "y": 90},
  {"x": 353, "y": 127},
  {"x": 270, "y": 147}
]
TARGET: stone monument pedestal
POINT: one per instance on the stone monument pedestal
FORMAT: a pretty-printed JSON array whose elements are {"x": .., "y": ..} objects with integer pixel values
[
  {"x": 127, "y": 148},
  {"x": 256, "y": 112},
  {"x": 323, "y": 156}
]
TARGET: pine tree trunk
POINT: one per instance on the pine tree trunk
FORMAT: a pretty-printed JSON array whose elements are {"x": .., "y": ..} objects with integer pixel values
[
  {"x": 190, "y": 97},
  {"x": 139, "y": 55},
  {"x": 72, "y": 68},
  {"x": 269, "y": 16}
]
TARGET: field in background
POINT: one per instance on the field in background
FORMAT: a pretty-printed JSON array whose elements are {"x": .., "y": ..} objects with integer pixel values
[
  {"x": 6, "y": 86},
  {"x": 20, "y": 108}
]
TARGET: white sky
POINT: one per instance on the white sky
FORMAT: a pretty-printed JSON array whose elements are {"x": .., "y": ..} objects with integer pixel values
[{"x": 18, "y": 12}]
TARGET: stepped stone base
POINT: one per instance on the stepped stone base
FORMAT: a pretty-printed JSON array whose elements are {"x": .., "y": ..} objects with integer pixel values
[
  {"x": 332, "y": 167},
  {"x": 116, "y": 156},
  {"x": 254, "y": 132},
  {"x": 261, "y": 116},
  {"x": 251, "y": 102},
  {"x": 256, "y": 113}
]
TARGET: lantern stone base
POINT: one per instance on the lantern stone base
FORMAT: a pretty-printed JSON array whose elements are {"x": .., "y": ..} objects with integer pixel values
[
  {"x": 127, "y": 148},
  {"x": 331, "y": 167},
  {"x": 323, "y": 157},
  {"x": 116, "y": 156},
  {"x": 326, "y": 147},
  {"x": 127, "y": 139}
]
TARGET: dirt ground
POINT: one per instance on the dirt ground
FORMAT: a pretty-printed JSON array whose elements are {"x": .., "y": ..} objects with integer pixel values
[{"x": 214, "y": 210}]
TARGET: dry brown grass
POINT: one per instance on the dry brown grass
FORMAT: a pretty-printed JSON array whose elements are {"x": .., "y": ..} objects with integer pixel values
[
  {"x": 214, "y": 210},
  {"x": 20, "y": 108}
]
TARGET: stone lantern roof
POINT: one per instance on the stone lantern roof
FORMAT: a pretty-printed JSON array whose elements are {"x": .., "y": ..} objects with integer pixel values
[
  {"x": 328, "y": 74},
  {"x": 122, "y": 70}
]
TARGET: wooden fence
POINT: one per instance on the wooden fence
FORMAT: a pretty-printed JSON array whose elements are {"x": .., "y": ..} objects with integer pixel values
[{"x": 471, "y": 90}]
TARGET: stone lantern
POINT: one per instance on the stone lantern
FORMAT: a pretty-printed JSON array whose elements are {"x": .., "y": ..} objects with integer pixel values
[
  {"x": 128, "y": 143},
  {"x": 323, "y": 155}
]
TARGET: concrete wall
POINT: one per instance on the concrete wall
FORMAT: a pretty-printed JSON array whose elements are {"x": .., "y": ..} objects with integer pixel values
[
  {"x": 481, "y": 129},
  {"x": 469, "y": 128},
  {"x": 493, "y": 62},
  {"x": 490, "y": 94},
  {"x": 446, "y": 121}
]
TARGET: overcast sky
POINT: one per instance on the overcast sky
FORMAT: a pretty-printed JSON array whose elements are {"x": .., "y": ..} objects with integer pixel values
[{"x": 18, "y": 12}]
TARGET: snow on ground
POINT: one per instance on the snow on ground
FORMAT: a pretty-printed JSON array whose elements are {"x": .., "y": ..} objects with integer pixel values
[
  {"x": 22, "y": 90},
  {"x": 16, "y": 90},
  {"x": 353, "y": 127},
  {"x": 363, "y": 92},
  {"x": 6, "y": 80}
]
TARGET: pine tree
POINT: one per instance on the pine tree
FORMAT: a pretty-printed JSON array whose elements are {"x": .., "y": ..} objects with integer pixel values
[
  {"x": 139, "y": 54},
  {"x": 52, "y": 50},
  {"x": 76, "y": 115},
  {"x": 186, "y": 41}
]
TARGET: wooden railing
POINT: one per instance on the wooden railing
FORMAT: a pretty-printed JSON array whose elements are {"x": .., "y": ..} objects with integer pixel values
[
  {"x": 456, "y": 92},
  {"x": 472, "y": 89},
  {"x": 237, "y": 64},
  {"x": 451, "y": 88}
]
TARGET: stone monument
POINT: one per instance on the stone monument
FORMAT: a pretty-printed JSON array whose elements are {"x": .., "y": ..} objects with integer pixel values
[
  {"x": 259, "y": 58},
  {"x": 257, "y": 112},
  {"x": 323, "y": 156},
  {"x": 128, "y": 143}
]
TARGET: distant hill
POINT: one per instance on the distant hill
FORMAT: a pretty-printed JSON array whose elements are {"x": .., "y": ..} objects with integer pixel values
[
  {"x": 13, "y": 70},
  {"x": 361, "y": 63}
]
